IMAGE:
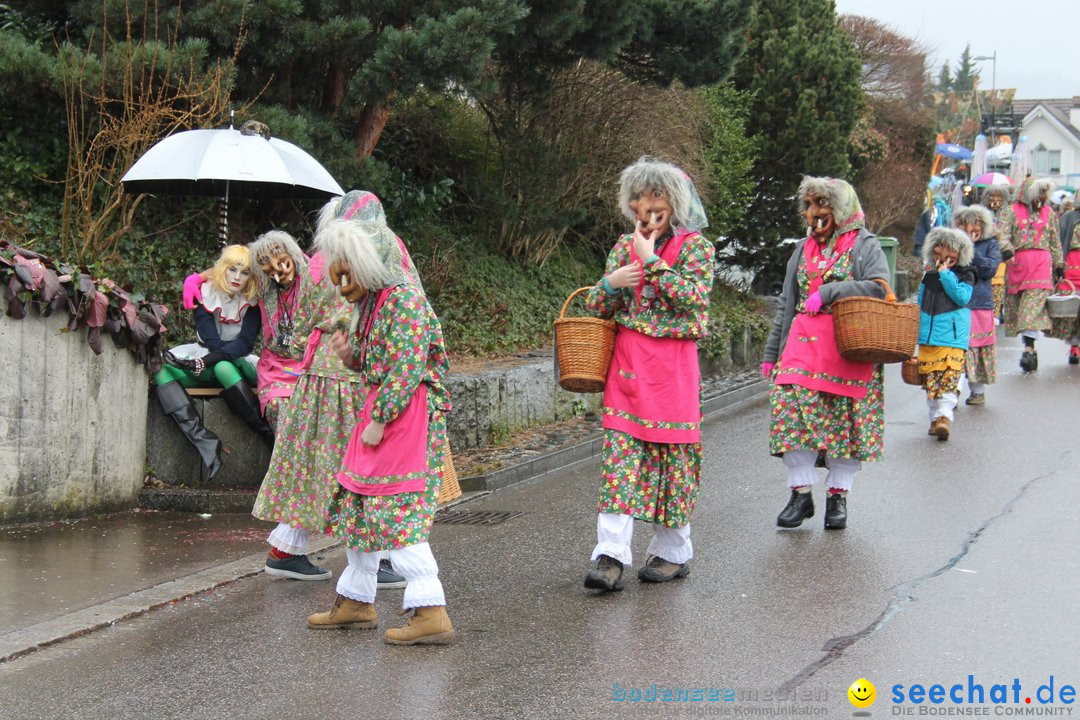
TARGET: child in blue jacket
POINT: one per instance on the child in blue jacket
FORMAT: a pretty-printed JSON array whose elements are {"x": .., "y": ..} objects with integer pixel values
[{"x": 944, "y": 322}]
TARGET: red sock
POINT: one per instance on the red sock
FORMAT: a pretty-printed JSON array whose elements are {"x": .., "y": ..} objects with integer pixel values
[{"x": 278, "y": 554}]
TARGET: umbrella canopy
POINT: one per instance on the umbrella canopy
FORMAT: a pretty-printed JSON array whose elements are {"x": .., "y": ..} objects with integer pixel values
[
  {"x": 230, "y": 163},
  {"x": 1060, "y": 195},
  {"x": 949, "y": 150},
  {"x": 991, "y": 178}
]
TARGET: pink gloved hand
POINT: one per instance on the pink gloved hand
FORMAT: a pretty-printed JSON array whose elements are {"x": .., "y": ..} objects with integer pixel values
[
  {"x": 813, "y": 303},
  {"x": 192, "y": 290},
  {"x": 767, "y": 369}
]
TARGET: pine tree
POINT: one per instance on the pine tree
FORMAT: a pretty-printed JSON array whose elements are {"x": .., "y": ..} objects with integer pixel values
[
  {"x": 945, "y": 79},
  {"x": 965, "y": 72},
  {"x": 804, "y": 76}
]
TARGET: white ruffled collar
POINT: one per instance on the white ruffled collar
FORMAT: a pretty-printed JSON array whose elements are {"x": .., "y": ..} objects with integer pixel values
[{"x": 224, "y": 308}]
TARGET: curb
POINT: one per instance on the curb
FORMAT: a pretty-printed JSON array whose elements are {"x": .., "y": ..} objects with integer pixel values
[{"x": 585, "y": 451}]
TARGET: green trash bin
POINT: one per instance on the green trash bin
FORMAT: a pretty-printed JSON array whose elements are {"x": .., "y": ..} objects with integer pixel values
[{"x": 890, "y": 245}]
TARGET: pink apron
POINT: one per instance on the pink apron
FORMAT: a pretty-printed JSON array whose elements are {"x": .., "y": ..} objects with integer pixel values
[
  {"x": 982, "y": 329},
  {"x": 1030, "y": 268},
  {"x": 398, "y": 464},
  {"x": 652, "y": 389},
  {"x": 811, "y": 358}
]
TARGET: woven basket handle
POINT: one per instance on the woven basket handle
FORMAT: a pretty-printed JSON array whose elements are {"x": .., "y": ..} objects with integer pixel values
[
  {"x": 1067, "y": 280},
  {"x": 573, "y": 295},
  {"x": 890, "y": 296}
]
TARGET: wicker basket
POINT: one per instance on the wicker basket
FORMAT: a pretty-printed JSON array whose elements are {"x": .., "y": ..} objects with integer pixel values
[
  {"x": 583, "y": 348},
  {"x": 1064, "y": 304},
  {"x": 877, "y": 331},
  {"x": 909, "y": 371},
  {"x": 450, "y": 489}
]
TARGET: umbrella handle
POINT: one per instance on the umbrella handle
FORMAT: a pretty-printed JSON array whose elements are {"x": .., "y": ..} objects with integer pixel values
[{"x": 223, "y": 225}]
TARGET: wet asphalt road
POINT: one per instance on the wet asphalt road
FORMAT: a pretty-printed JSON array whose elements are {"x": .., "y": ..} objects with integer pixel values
[{"x": 959, "y": 559}]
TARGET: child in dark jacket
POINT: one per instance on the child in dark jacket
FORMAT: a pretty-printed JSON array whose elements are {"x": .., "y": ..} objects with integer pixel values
[
  {"x": 981, "y": 361},
  {"x": 944, "y": 322}
]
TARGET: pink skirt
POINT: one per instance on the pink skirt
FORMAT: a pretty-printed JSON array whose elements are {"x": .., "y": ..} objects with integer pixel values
[{"x": 982, "y": 328}]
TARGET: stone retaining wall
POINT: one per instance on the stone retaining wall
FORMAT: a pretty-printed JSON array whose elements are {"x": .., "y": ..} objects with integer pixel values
[{"x": 72, "y": 423}]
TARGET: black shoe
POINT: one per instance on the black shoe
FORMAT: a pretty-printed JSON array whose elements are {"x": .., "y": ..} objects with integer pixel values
[
  {"x": 176, "y": 403},
  {"x": 799, "y": 507},
  {"x": 242, "y": 401},
  {"x": 388, "y": 579},
  {"x": 1029, "y": 361},
  {"x": 297, "y": 567},
  {"x": 607, "y": 575},
  {"x": 659, "y": 570},
  {"x": 835, "y": 512}
]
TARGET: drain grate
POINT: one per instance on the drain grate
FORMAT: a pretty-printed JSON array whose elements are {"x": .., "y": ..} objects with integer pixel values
[{"x": 474, "y": 517}]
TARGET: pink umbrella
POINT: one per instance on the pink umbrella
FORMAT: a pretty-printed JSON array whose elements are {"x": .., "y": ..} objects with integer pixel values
[{"x": 992, "y": 178}]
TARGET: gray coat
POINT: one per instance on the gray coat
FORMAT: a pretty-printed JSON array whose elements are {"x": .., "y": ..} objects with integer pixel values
[{"x": 870, "y": 262}]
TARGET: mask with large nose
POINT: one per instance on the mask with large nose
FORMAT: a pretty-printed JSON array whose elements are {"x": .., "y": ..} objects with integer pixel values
[
  {"x": 820, "y": 221},
  {"x": 653, "y": 210},
  {"x": 341, "y": 276},
  {"x": 278, "y": 265}
]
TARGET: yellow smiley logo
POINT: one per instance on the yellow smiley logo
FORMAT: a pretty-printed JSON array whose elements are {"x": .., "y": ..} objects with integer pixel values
[{"x": 862, "y": 693}]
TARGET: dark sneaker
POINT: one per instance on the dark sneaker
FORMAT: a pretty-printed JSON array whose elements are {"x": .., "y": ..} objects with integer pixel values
[
  {"x": 1029, "y": 361},
  {"x": 607, "y": 575},
  {"x": 799, "y": 507},
  {"x": 659, "y": 570},
  {"x": 387, "y": 577},
  {"x": 296, "y": 567}
]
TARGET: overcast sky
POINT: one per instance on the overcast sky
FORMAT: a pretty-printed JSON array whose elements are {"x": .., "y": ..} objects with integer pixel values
[{"x": 1037, "y": 53}]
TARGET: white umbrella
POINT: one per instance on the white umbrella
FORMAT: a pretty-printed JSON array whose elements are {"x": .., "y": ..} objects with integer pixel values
[
  {"x": 230, "y": 163},
  {"x": 978, "y": 162}
]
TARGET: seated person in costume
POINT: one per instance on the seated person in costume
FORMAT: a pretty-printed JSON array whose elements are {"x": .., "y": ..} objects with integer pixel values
[{"x": 226, "y": 335}]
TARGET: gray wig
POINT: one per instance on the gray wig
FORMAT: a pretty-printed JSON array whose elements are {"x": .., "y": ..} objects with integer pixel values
[
  {"x": 951, "y": 239},
  {"x": 263, "y": 244},
  {"x": 649, "y": 174},
  {"x": 1005, "y": 190},
  {"x": 841, "y": 196},
  {"x": 975, "y": 214},
  {"x": 353, "y": 242},
  {"x": 1032, "y": 188}
]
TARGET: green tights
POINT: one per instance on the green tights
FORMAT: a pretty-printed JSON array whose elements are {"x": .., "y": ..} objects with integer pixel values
[{"x": 225, "y": 373}]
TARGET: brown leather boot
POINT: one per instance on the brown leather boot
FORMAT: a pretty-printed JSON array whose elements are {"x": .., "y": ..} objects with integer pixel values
[
  {"x": 346, "y": 613},
  {"x": 428, "y": 626},
  {"x": 942, "y": 431}
]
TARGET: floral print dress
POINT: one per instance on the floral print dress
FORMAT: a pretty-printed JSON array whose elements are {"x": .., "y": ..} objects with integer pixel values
[
  {"x": 655, "y": 482},
  {"x": 1026, "y": 309},
  {"x": 404, "y": 349},
  {"x": 838, "y": 426},
  {"x": 315, "y": 425}
]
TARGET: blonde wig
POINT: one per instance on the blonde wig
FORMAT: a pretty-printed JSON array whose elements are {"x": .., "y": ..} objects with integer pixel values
[
  {"x": 267, "y": 243},
  {"x": 649, "y": 174},
  {"x": 975, "y": 214},
  {"x": 951, "y": 240},
  {"x": 234, "y": 256}
]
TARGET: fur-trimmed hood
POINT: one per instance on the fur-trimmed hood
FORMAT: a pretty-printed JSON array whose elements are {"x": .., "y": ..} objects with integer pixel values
[
  {"x": 953, "y": 240},
  {"x": 976, "y": 214},
  {"x": 1005, "y": 190}
]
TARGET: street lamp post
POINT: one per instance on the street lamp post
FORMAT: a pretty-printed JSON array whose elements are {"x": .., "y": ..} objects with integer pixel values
[{"x": 993, "y": 88}]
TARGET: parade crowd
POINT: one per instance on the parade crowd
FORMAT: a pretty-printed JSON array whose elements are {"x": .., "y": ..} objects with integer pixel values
[{"x": 349, "y": 387}]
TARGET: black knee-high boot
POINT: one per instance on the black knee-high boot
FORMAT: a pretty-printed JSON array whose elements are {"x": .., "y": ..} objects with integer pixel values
[
  {"x": 176, "y": 402},
  {"x": 242, "y": 401}
]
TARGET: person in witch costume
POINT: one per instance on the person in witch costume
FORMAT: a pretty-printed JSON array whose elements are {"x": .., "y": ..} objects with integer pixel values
[
  {"x": 657, "y": 287},
  {"x": 388, "y": 483},
  {"x": 826, "y": 410},
  {"x": 1032, "y": 232},
  {"x": 995, "y": 198},
  {"x": 227, "y": 328}
]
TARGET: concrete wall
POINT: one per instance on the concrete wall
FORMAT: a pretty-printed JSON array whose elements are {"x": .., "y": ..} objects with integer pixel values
[
  {"x": 72, "y": 423},
  {"x": 488, "y": 404},
  {"x": 172, "y": 459}
]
